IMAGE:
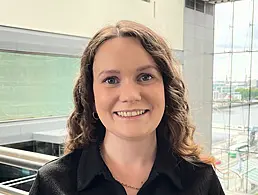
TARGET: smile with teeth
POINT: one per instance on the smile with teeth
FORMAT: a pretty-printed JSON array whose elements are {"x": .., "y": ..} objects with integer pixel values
[{"x": 131, "y": 113}]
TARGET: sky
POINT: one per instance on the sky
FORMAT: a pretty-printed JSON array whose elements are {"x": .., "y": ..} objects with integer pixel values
[{"x": 242, "y": 38}]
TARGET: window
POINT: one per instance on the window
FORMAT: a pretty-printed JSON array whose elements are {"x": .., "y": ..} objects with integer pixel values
[
  {"x": 189, "y": 4},
  {"x": 209, "y": 9},
  {"x": 234, "y": 120},
  {"x": 199, "y": 5},
  {"x": 33, "y": 85}
]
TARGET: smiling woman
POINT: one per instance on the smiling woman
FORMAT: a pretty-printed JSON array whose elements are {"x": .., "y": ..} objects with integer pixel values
[{"x": 130, "y": 131}]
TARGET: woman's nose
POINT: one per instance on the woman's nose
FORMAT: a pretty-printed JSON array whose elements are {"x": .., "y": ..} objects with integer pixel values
[{"x": 130, "y": 92}]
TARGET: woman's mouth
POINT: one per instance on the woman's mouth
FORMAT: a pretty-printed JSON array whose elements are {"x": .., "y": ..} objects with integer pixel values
[{"x": 129, "y": 114}]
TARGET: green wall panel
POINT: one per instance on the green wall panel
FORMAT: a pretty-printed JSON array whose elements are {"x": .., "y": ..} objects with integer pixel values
[{"x": 33, "y": 86}]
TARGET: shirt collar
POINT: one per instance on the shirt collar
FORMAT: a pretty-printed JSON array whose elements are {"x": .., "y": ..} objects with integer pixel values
[
  {"x": 91, "y": 165},
  {"x": 168, "y": 163}
]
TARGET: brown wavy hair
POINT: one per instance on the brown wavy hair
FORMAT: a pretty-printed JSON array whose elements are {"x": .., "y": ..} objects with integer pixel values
[{"x": 175, "y": 124}]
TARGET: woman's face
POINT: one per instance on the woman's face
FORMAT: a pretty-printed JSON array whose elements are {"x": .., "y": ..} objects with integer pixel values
[{"x": 128, "y": 88}]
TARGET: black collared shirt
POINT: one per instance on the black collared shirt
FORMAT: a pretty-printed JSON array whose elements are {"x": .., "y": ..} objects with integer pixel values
[{"x": 84, "y": 172}]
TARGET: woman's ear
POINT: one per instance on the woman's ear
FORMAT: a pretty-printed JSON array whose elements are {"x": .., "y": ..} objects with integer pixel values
[
  {"x": 94, "y": 107},
  {"x": 94, "y": 113}
]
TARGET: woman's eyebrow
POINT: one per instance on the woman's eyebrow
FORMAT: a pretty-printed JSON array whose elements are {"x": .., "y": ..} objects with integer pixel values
[
  {"x": 142, "y": 68},
  {"x": 109, "y": 72},
  {"x": 146, "y": 67}
]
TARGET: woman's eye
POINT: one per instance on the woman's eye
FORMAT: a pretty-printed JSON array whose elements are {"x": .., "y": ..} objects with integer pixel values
[
  {"x": 145, "y": 77},
  {"x": 111, "y": 80}
]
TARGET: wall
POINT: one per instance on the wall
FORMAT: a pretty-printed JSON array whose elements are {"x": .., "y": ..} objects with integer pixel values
[
  {"x": 28, "y": 130},
  {"x": 198, "y": 71},
  {"x": 85, "y": 17}
]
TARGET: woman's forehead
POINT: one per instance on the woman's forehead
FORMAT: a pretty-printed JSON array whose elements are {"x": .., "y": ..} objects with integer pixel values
[{"x": 121, "y": 53}]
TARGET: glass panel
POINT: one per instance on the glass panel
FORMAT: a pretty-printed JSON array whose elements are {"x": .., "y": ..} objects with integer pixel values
[
  {"x": 235, "y": 108},
  {"x": 221, "y": 100},
  {"x": 199, "y": 5},
  {"x": 223, "y": 30},
  {"x": 221, "y": 156},
  {"x": 25, "y": 185},
  {"x": 48, "y": 148},
  {"x": 189, "y": 4},
  {"x": 241, "y": 76},
  {"x": 231, "y": 168},
  {"x": 254, "y": 70},
  {"x": 8, "y": 172},
  {"x": 238, "y": 161},
  {"x": 209, "y": 9},
  {"x": 253, "y": 128},
  {"x": 242, "y": 31},
  {"x": 221, "y": 67},
  {"x": 255, "y": 30},
  {"x": 27, "y": 146},
  {"x": 35, "y": 85}
]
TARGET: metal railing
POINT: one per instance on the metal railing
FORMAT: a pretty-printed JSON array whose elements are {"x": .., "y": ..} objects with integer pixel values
[
  {"x": 6, "y": 190},
  {"x": 31, "y": 161},
  {"x": 21, "y": 159}
]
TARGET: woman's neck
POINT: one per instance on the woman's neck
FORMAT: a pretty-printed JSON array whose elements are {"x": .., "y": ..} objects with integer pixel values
[{"x": 131, "y": 152}]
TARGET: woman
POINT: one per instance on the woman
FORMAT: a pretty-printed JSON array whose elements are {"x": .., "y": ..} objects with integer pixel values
[{"x": 130, "y": 131}]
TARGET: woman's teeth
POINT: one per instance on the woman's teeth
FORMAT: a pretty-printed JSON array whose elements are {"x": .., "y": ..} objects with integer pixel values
[{"x": 133, "y": 113}]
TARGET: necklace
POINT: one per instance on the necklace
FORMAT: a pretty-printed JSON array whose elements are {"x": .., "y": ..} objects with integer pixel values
[
  {"x": 123, "y": 184},
  {"x": 128, "y": 186}
]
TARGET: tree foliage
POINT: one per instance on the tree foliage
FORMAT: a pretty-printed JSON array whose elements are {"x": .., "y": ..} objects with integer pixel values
[{"x": 246, "y": 92}]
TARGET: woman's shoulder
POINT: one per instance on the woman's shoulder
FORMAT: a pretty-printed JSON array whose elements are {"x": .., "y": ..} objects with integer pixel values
[
  {"x": 200, "y": 176},
  {"x": 196, "y": 167},
  {"x": 57, "y": 176},
  {"x": 61, "y": 164}
]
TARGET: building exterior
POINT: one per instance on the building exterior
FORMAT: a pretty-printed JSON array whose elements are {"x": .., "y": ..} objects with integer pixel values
[{"x": 198, "y": 65}]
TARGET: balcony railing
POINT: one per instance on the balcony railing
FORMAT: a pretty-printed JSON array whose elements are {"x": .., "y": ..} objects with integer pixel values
[
  {"x": 21, "y": 159},
  {"x": 31, "y": 161}
]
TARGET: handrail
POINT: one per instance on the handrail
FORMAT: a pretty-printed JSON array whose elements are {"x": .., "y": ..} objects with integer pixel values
[
  {"x": 21, "y": 163},
  {"x": 16, "y": 180},
  {"x": 26, "y": 155},
  {"x": 11, "y": 191},
  {"x": 22, "y": 159},
  {"x": 21, "y": 182}
]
